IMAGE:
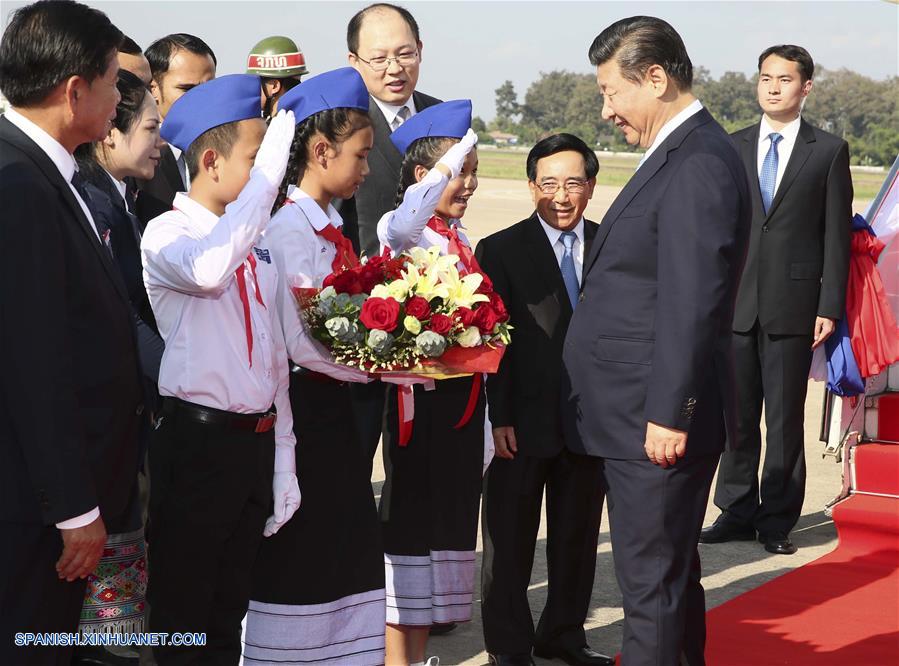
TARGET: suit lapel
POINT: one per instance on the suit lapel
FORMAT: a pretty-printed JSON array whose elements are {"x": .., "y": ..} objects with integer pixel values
[
  {"x": 544, "y": 260},
  {"x": 382, "y": 143},
  {"x": 749, "y": 152},
  {"x": 590, "y": 229},
  {"x": 798, "y": 157},
  {"x": 18, "y": 138},
  {"x": 643, "y": 175},
  {"x": 634, "y": 185}
]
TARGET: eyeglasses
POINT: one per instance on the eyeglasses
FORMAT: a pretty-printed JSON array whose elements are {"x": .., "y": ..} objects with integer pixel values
[
  {"x": 570, "y": 186},
  {"x": 382, "y": 63}
]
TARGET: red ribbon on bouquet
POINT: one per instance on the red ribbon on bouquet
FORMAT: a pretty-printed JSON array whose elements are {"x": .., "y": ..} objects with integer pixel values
[{"x": 405, "y": 403}]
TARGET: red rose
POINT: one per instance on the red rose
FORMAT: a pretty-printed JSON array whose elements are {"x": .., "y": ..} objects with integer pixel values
[
  {"x": 485, "y": 318},
  {"x": 418, "y": 307},
  {"x": 370, "y": 276},
  {"x": 380, "y": 313},
  {"x": 464, "y": 316},
  {"x": 346, "y": 282},
  {"x": 496, "y": 302},
  {"x": 441, "y": 324}
]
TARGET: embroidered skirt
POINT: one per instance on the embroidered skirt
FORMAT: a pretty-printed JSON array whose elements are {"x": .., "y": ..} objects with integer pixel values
[
  {"x": 115, "y": 600},
  {"x": 429, "y": 506},
  {"x": 318, "y": 584}
]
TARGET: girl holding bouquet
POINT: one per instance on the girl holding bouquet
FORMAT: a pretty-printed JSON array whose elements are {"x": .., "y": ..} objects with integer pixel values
[
  {"x": 430, "y": 499},
  {"x": 318, "y": 587}
]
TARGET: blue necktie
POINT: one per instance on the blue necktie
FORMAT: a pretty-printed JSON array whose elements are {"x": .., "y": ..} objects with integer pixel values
[
  {"x": 569, "y": 274},
  {"x": 768, "y": 176}
]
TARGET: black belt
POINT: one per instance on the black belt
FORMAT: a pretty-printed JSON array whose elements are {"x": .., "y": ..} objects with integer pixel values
[{"x": 216, "y": 417}]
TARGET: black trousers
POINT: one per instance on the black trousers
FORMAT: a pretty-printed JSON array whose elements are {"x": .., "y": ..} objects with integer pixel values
[
  {"x": 211, "y": 495},
  {"x": 368, "y": 412},
  {"x": 32, "y": 597},
  {"x": 655, "y": 516},
  {"x": 510, "y": 519},
  {"x": 770, "y": 369}
]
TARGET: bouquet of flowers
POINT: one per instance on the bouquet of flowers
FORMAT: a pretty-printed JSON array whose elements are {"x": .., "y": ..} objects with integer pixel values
[{"x": 413, "y": 314}]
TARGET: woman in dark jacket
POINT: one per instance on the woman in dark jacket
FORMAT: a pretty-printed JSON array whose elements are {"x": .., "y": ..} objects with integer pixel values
[{"x": 115, "y": 597}]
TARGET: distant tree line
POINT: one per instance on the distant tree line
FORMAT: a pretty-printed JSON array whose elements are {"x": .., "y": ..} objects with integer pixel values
[{"x": 862, "y": 110}]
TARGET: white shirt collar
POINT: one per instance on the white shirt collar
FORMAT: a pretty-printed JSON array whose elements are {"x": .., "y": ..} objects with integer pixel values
[
  {"x": 200, "y": 217},
  {"x": 119, "y": 185},
  {"x": 789, "y": 132},
  {"x": 60, "y": 157},
  {"x": 390, "y": 111},
  {"x": 175, "y": 151},
  {"x": 317, "y": 217},
  {"x": 554, "y": 234},
  {"x": 693, "y": 108}
]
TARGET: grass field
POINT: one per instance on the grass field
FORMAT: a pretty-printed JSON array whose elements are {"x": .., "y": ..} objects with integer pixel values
[{"x": 616, "y": 170}]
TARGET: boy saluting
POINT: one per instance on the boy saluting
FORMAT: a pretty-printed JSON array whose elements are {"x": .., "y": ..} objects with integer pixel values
[{"x": 220, "y": 449}]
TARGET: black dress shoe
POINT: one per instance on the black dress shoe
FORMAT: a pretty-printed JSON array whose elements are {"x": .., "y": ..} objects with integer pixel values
[
  {"x": 777, "y": 543},
  {"x": 522, "y": 659},
  {"x": 442, "y": 629},
  {"x": 581, "y": 656},
  {"x": 723, "y": 530}
]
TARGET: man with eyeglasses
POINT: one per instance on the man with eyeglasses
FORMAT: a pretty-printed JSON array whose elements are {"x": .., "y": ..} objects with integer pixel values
[
  {"x": 385, "y": 48},
  {"x": 543, "y": 258}
]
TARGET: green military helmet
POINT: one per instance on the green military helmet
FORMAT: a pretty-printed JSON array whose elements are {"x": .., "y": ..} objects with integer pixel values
[{"x": 276, "y": 57}]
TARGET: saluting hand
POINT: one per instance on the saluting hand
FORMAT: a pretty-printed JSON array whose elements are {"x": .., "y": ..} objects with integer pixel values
[
  {"x": 82, "y": 550},
  {"x": 664, "y": 446},
  {"x": 271, "y": 159},
  {"x": 454, "y": 158}
]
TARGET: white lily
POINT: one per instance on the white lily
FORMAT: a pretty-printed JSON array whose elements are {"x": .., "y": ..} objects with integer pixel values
[{"x": 460, "y": 291}]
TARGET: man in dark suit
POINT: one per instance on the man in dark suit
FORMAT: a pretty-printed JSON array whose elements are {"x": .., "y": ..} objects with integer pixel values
[
  {"x": 792, "y": 292},
  {"x": 178, "y": 62},
  {"x": 70, "y": 390},
  {"x": 536, "y": 267},
  {"x": 648, "y": 376},
  {"x": 385, "y": 48}
]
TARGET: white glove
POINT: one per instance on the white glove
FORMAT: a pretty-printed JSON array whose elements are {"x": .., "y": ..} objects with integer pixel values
[
  {"x": 313, "y": 355},
  {"x": 271, "y": 160},
  {"x": 454, "y": 158},
  {"x": 286, "y": 490}
]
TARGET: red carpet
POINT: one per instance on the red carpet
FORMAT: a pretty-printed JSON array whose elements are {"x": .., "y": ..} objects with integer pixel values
[{"x": 840, "y": 609}]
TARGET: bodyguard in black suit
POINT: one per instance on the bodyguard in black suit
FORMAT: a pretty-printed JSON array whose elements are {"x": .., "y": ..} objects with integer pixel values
[
  {"x": 178, "y": 62},
  {"x": 535, "y": 267},
  {"x": 648, "y": 368},
  {"x": 70, "y": 390},
  {"x": 385, "y": 48},
  {"x": 792, "y": 291}
]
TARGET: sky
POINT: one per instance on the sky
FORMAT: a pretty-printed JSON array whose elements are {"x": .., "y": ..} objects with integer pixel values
[{"x": 470, "y": 48}]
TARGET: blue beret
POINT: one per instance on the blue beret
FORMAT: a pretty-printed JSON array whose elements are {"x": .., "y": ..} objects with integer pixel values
[
  {"x": 450, "y": 119},
  {"x": 226, "y": 99},
  {"x": 338, "y": 89}
]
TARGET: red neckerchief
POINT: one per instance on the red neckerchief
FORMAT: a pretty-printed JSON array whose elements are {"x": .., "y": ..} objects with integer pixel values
[
  {"x": 245, "y": 300},
  {"x": 240, "y": 276},
  {"x": 455, "y": 244},
  {"x": 345, "y": 256}
]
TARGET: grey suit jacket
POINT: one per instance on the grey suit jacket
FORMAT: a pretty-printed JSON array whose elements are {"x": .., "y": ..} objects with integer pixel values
[{"x": 377, "y": 194}]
